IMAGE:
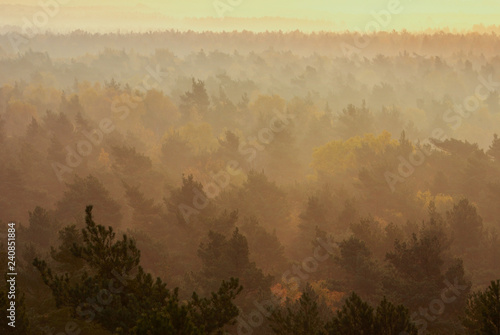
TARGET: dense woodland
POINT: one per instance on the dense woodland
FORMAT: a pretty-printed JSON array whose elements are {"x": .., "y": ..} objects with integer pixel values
[{"x": 241, "y": 183}]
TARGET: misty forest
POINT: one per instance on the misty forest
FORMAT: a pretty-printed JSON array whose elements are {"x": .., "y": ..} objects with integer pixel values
[{"x": 252, "y": 183}]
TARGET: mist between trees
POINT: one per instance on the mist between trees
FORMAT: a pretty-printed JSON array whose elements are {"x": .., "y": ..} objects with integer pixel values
[{"x": 252, "y": 170}]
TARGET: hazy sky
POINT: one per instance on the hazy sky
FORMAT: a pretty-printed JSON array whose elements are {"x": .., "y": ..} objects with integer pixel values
[
  {"x": 312, "y": 9},
  {"x": 415, "y": 14}
]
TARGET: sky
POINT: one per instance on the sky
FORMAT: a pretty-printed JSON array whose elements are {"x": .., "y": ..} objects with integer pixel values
[{"x": 336, "y": 14}]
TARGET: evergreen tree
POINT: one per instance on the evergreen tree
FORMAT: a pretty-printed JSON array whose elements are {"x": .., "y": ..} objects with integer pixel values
[
  {"x": 195, "y": 103},
  {"x": 307, "y": 316},
  {"x": 146, "y": 212},
  {"x": 393, "y": 320},
  {"x": 466, "y": 224},
  {"x": 362, "y": 272},
  {"x": 188, "y": 201},
  {"x": 223, "y": 257},
  {"x": 494, "y": 149},
  {"x": 354, "y": 318},
  {"x": 482, "y": 312},
  {"x": 114, "y": 291}
]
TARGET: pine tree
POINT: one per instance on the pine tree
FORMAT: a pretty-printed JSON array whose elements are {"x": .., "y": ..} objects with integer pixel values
[
  {"x": 114, "y": 291},
  {"x": 494, "y": 149},
  {"x": 195, "y": 101},
  {"x": 229, "y": 257},
  {"x": 307, "y": 316},
  {"x": 393, "y": 320},
  {"x": 482, "y": 312},
  {"x": 354, "y": 318}
]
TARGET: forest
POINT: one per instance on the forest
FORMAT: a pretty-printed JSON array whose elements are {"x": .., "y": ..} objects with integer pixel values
[{"x": 251, "y": 183}]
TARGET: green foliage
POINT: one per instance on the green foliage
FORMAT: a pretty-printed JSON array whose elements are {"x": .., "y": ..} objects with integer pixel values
[
  {"x": 228, "y": 146},
  {"x": 195, "y": 101},
  {"x": 393, "y": 320},
  {"x": 223, "y": 257},
  {"x": 198, "y": 317},
  {"x": 262, "y": 244},
  {"x": 482, "y": 312},
  {"x": 362, "y": 272},
  {"x": 261, "y": 198},
  {"x": 416, "y": 277},
  {"x": 115, "y": 291},
  {"x": 418, "y": 259},
  {"x": 100, "y": 251},
  {"x": 69, "y": 237},
  {"x": 215, "y": 312},
  {"x": 466, "y": 224},
  {"x": 314, "y": 216},
  {"x": 306, "y": 316},
  {"x": 354, "y": 121},
  {"x": 354, "y": 318},
  {"x": 181, "y": 203},
  {"x": 353, "y": 254},
  {"x": 494, "y": 149},
  {"x": 264, "y": 108},
  {"x": 421, "y": 271},
  {"x": 310, "y": 315}
]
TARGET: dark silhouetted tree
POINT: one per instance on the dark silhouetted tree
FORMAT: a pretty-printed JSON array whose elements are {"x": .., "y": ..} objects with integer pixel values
[
  {"x": 306, "y": 316},
  {"x": 482, "y": 313}
]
